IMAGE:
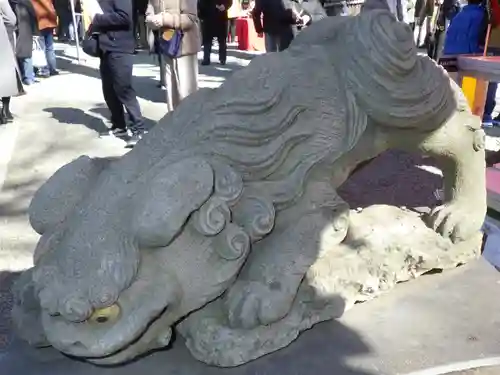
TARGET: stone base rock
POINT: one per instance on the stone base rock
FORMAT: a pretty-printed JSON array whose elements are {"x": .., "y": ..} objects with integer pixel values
[{"x": 385, "y": 245}]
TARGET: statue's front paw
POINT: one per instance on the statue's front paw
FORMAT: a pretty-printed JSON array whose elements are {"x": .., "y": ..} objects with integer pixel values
[
  {"x": 456, "y": 220},
  {"x": 251, "y": 304}
]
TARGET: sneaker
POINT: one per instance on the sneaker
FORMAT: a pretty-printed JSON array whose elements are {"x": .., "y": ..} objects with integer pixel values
[
  {"x": 496, "y": 121},
  {"x": 136, "y": 136},
  {"x": 54, "y": 73},
  {"x": 118, "y": 132},
  {"x": 223, "y": 62}
]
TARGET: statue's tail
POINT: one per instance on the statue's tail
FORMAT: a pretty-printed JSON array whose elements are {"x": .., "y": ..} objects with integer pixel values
[{"x": 393, "y": 84}]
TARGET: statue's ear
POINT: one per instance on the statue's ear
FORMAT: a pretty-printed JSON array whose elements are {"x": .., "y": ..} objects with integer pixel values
[
  {"x": 60, "y": 194},
  {"x": 166, "y": 199}
]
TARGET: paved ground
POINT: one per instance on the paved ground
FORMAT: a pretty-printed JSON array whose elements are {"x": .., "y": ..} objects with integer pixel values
[{"x": 61, "y": 118}]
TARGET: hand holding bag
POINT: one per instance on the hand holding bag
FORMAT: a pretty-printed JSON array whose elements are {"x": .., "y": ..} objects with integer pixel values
[{"x": 170, "y": 40}]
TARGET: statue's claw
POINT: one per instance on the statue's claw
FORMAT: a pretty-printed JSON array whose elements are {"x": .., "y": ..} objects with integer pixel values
[
  {"x": 252, "y": 303},
  {"x": 456, "y": 220}
]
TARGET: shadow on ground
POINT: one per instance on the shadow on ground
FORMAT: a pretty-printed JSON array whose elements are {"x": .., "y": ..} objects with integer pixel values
[
  {"x": 93, "y": 121},
  {"x": 393, "y": 178},
  {"x": 322, "y": 350}
]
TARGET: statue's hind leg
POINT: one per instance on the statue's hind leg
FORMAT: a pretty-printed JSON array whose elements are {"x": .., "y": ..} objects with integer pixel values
[
  {"x": 268, "y": 284},
  {"x": 458, "y": 147}
]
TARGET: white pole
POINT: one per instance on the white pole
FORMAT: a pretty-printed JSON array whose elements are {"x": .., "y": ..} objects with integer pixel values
[{"x": 75, "y": 27}]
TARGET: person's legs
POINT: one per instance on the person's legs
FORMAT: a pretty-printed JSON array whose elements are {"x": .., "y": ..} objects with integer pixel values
[
  {"x": 121, "y": 65},
  {"x": 172, "y": 89},
  {"x": 3, "y": 120},
  {"x": 271, "y": 42},
  {"x": 285, "y": 38},
  {"x": 26, "y": 65},
  {"x": 232, "y": 30},
  {"x": 187, "y": 71},
  {"x": 119, "y": 126},
  {"x": 6, "y": 114},
  {"x": 161, "y": 63},
  {"x": 207, "y": 43},
  {"x": 222, "y": 40},
  {"x": 490, "y": 102},
  {"x": 48, "y": 39}
]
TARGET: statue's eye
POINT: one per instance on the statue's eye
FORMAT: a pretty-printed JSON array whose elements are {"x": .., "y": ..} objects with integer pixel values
[{"x": 107, "y": 314}]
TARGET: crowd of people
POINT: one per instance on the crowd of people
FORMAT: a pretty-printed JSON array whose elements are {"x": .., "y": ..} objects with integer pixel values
[
  {"x": 176, "y": 30},
  {"x": 22, "y": 20}
]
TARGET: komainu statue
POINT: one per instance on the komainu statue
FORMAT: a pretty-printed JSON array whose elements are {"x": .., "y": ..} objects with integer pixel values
[{"x": 224, "y": 222}]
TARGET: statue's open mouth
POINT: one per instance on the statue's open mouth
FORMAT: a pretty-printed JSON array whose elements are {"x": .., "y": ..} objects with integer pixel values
[{"x": 148, "y": 340}]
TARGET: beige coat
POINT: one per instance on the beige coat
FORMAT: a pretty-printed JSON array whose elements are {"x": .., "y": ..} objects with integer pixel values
[{"x": 180, "y": 14}]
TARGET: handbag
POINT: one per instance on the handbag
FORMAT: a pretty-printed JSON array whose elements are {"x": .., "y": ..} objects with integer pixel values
[
  {"x": 38, "y": 56},
  {"x": 170, "y": 40},
  {"x": 90, "y": 43}
]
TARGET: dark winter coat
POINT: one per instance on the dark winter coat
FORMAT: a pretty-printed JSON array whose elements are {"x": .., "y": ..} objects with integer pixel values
[
  {"x": 214, "y": 21},
  {"x": 27, "y": 27}
]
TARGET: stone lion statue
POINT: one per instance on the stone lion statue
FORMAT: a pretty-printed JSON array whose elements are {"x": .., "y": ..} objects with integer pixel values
[{"x": 224, "y": 222}]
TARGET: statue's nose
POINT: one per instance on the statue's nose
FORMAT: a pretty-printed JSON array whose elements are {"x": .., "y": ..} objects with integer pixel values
[{"x": 76, "y": 309}]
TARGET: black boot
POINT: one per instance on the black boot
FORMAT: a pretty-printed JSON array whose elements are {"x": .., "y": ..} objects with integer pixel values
[
  {"x": 3, "y": 120},
  {"x": 6, "y": 113}
]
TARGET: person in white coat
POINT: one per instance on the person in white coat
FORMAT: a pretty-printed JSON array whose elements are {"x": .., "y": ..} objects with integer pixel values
[{"x": 9, "y": 71}]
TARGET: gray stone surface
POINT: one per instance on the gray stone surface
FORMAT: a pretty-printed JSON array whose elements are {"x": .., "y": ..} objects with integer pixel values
[
  {"x": 129, "y": 247},
  {"x": 440, "y": 320}
]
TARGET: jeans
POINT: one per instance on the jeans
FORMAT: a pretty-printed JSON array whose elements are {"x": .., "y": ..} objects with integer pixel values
[
  {"x": 79, "y": 28},
  {"x": 280, "y": 41},
  {"x": 272, "y": 43},
  {"x": 490, "y": 103},
  {"x": 26, "y": 66},
  {"x": 48, "y": 38}
]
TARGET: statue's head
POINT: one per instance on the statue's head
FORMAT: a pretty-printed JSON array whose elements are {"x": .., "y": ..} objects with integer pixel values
[{"x": 115, "y": 270}]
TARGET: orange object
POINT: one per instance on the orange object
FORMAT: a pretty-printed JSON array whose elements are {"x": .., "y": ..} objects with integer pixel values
[
  {"x": 45, "y": 14},
  {"x": 473, "y": 87},
  {"x": 248, "y": 39}
]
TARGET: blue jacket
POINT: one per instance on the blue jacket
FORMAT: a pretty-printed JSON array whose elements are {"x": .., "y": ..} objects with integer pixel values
[{"x": 467, "y": 31}]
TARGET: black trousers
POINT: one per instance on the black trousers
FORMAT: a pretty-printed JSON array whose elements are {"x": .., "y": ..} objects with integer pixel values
[
  {"x": 215, "y": 29},
  {"x": 116, "y": 77}
]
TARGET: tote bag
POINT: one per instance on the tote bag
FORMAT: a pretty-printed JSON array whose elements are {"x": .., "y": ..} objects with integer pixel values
[{"x": 38, "y": 56}]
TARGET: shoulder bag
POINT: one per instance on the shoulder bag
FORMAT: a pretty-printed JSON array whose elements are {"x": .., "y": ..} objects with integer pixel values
[{"x": 170, "y": 40}]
